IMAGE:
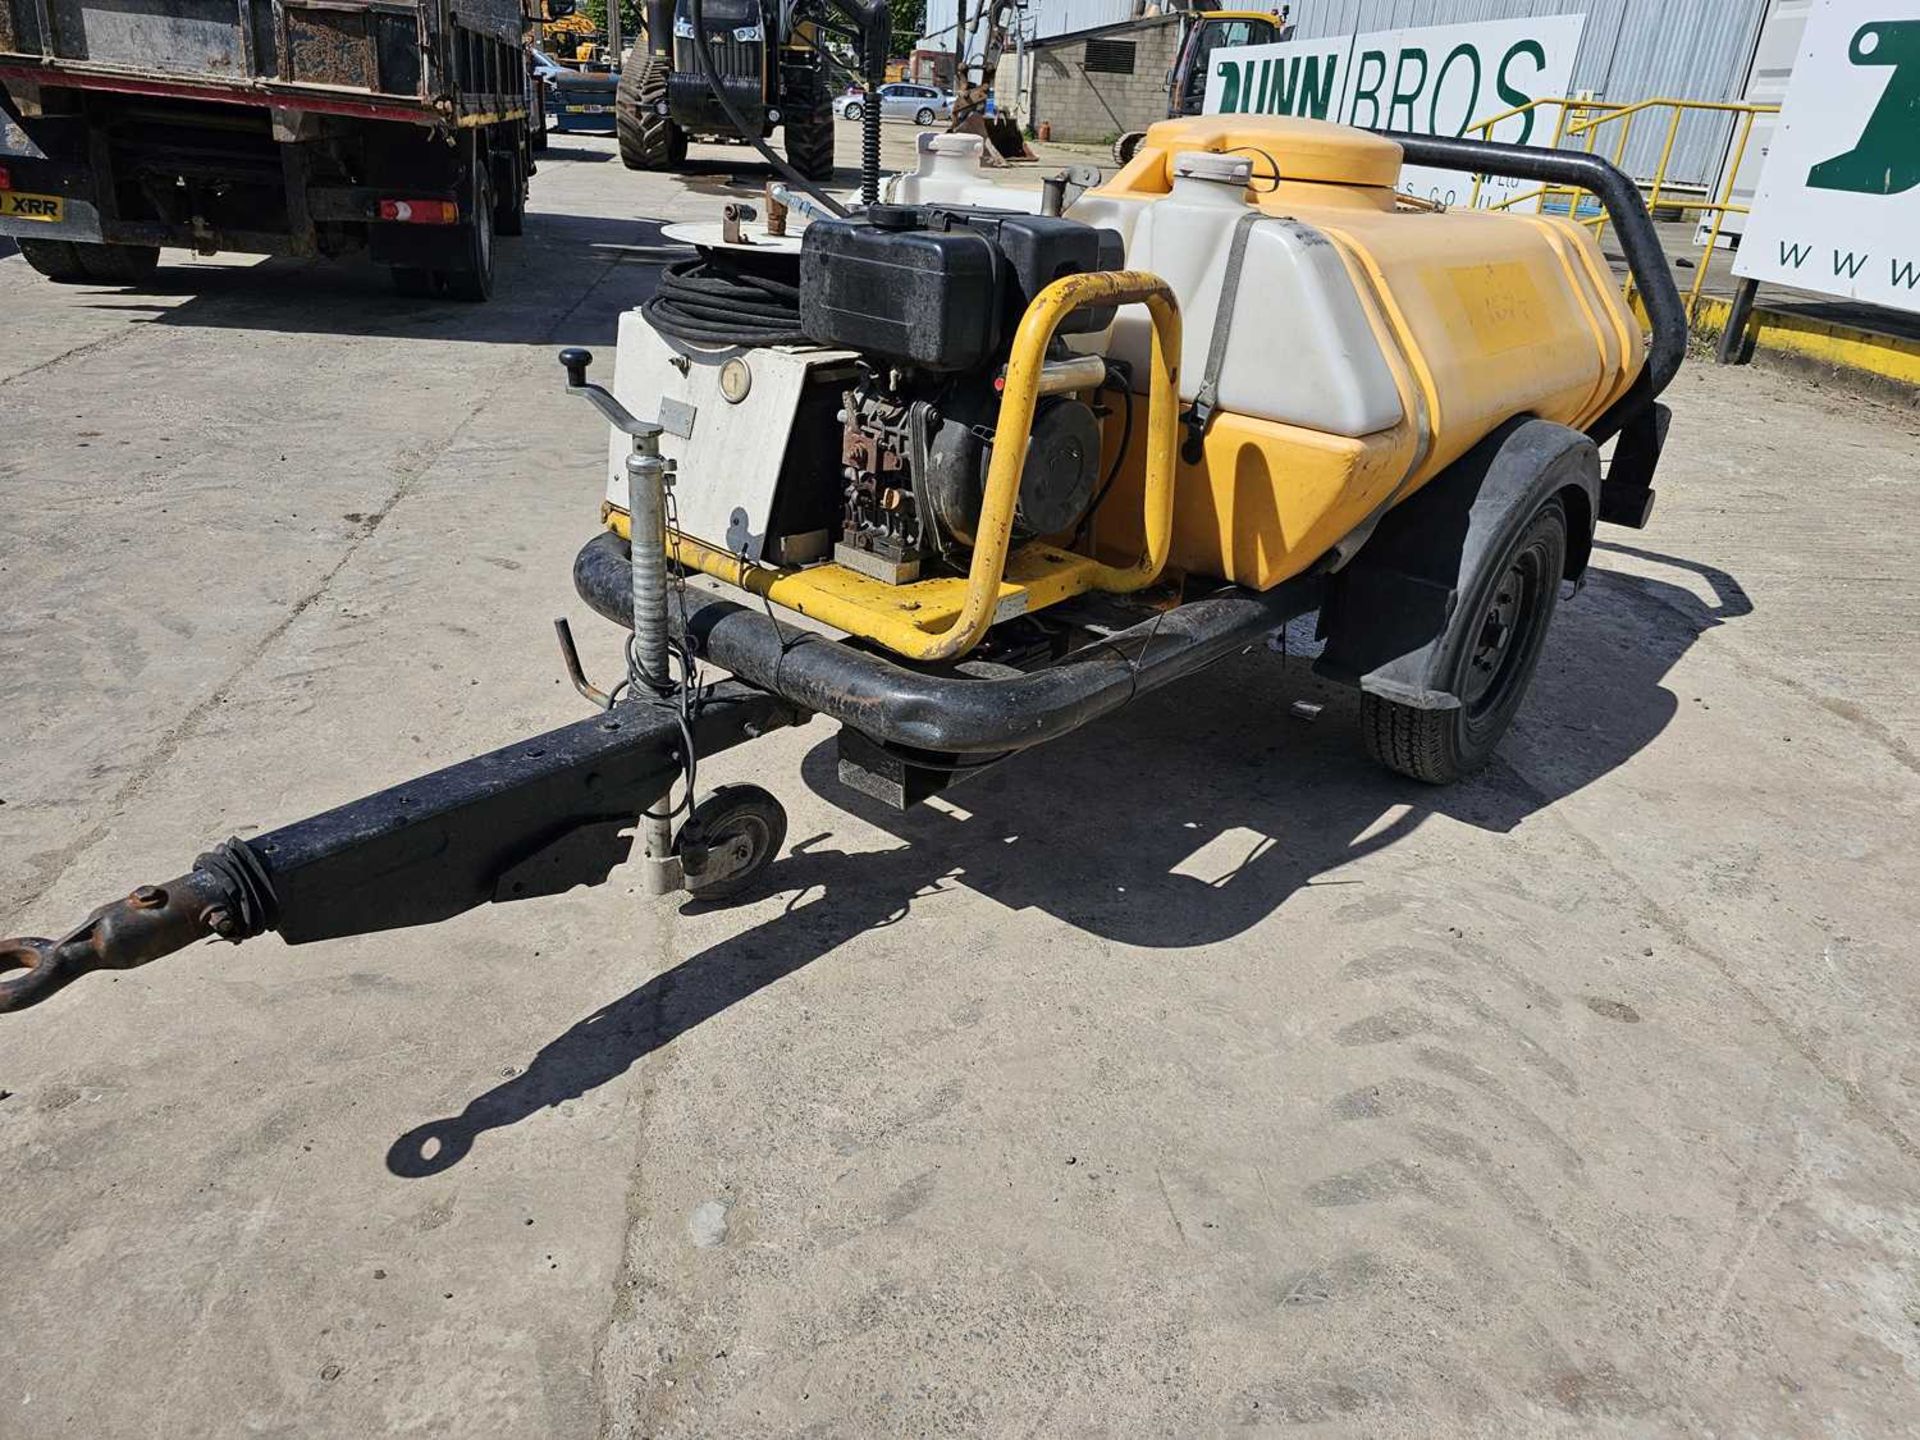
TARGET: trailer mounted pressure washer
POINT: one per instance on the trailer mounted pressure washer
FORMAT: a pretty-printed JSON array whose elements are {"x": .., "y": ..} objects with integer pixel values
[{"x": 1006, "y": 467}]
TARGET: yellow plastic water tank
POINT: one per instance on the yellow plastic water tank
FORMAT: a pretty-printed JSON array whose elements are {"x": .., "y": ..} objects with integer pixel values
[{"x": 1478, "y": 316}]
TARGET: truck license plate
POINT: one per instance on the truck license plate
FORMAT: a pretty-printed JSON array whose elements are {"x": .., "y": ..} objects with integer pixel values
[
  {"x": 586, "y": 109},
  {"x": 18, "y": 205}
]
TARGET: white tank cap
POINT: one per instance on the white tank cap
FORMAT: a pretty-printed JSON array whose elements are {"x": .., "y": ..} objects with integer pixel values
[
  {"x": 1211, "y": 165},
  {"x": 945, "y": 144}
]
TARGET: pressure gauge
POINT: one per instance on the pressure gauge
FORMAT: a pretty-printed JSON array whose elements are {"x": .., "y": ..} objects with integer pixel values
[{"x": 735, "y": 380}]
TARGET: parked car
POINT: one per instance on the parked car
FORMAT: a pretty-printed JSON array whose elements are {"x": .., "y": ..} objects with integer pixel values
[
  {"x": 921, "y": 104},
  {"x": 583, "y": 98}
]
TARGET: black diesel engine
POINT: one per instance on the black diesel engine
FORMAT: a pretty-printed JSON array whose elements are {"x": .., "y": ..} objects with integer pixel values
[{"x": 931, "y": 297}]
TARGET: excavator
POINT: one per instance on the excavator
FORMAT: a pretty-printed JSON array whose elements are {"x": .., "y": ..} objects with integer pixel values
[{"x": 1207, "y": 30}]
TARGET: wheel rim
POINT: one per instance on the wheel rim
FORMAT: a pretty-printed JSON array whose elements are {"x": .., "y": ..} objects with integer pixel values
[
  {"x": 1506, "y": 634},
  {"x": 925, "y": 117},
  {"x": 854, "y": 112},
  {"x": 740, "y": 845}
]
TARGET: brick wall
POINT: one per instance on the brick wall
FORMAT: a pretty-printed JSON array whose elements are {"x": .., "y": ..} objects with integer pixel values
[{"x": 1093, "y": 106}]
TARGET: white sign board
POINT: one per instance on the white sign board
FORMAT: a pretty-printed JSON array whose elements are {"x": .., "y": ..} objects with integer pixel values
[
  {"x": 1437, "y": 80},
  {"x": 1838, "y": 208}
]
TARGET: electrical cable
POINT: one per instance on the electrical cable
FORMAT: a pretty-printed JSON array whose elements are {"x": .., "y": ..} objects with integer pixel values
[{"x": 1119, "y": 371}]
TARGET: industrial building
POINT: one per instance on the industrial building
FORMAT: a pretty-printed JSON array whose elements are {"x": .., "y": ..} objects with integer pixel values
[{"x": 1630, "y": 50}]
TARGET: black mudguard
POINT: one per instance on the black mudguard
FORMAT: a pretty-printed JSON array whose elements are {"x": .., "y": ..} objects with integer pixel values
[{"x": 1386, "y": 619}]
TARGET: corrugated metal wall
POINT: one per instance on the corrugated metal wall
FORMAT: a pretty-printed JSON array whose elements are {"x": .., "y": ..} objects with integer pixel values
[
  {"x": 1044, "y": 18},
  {"x": 1629, "y": 50}
]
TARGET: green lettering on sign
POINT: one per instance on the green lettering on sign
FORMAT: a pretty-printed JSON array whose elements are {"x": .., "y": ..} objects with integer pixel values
[
  {"x": 1440, "y": 84},
  {"x": 1298, "y": 88},
  {"x": 1403, "y": 94},
  {"x": 1368, "y": 90},
  {"x": 1515, "y": 97}
]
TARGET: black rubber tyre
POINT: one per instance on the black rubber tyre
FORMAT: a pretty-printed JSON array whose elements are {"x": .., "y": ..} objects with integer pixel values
[
  {"x": 1127, "y": 146},
  {"x": 510, "y": 209},
  {"x": 924, "y": 116},
  {"x": 742, "y": 823},
  {"x": 810, "y": 149},
  {"x": 1501, "y": 629},
  {"x": 58, "y": 260},
  {"x": 470, "y": 277},
  {"x": 648, "y": 139},
  {"x": 119, "y": 264},
  {"x": 414, "y": 282},
  {"x": 854, "y": 112}
]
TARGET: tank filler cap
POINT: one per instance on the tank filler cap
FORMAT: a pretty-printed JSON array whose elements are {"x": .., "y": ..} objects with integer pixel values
[
  {"x": 1234, "y": 170},
  {"x": 896, "y": 217}
]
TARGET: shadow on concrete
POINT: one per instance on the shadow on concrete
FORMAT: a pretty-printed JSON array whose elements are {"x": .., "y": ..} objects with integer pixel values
[
  {"x": 559, "y": 152},
  {"x": 1184, "y": 821},
  {"x": 569, "y": 276}
]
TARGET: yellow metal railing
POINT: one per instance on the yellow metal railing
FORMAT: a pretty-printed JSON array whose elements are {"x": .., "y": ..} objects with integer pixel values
[{"x": 1578, "y": 120}]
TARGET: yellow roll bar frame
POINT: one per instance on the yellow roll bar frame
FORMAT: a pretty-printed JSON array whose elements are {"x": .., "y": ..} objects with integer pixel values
[{"x": 847, "y": 602}]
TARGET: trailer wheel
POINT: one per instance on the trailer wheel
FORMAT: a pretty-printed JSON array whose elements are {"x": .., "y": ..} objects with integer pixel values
[
  {"x": 1497, "y": 636},
  {"x": 649, "y": 140},
  {"x": 58, "y": 260},
  {"x": 119, "y": 264},
  {"x": 810, "y": 149},
  {"x": 730, "y": 837}
]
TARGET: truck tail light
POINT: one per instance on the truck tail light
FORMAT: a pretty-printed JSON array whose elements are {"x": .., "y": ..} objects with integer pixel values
[{"x": 420, "y": 212}]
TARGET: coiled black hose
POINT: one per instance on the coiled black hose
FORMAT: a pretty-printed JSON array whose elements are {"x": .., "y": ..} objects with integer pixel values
[
  {"x": 719, "y": 299},
  {"x": 870, "y": 147}
]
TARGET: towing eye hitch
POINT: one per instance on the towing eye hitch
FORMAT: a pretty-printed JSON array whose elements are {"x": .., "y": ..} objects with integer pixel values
[{"x": 224, "y": 895}]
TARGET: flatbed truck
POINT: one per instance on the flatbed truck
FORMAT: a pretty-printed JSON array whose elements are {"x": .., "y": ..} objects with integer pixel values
[{"x": 403, "y": 130}]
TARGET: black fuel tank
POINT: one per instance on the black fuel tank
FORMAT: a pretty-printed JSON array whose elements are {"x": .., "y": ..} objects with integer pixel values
[{"x": 941, "y": 287}]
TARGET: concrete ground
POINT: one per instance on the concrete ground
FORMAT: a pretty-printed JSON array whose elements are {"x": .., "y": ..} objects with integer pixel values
[{"x": 1189, "y": 1075}]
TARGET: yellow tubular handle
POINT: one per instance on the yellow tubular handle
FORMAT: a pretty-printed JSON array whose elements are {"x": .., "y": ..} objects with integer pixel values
[
  {"x": 1012, "y": 437},
  {"x": 993, "y": 534}
]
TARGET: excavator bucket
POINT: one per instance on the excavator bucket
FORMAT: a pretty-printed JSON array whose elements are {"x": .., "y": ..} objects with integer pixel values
[{"x": 1004, "y": 144}]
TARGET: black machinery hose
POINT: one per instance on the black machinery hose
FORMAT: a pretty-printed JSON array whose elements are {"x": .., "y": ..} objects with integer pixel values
[{"x": 721, "y": 299}]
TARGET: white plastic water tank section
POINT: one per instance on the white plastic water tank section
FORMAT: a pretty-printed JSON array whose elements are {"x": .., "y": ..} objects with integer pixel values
[
  {"x": 1299, "y": 348},
  {"x": 950, "y": 173}
]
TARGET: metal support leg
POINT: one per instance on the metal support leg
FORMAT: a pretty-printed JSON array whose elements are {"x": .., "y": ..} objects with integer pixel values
[
  {"x": 648, "y": 476},
  {"x": 1733, "y": 340},
  {"x": 649, "y": 669}
]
